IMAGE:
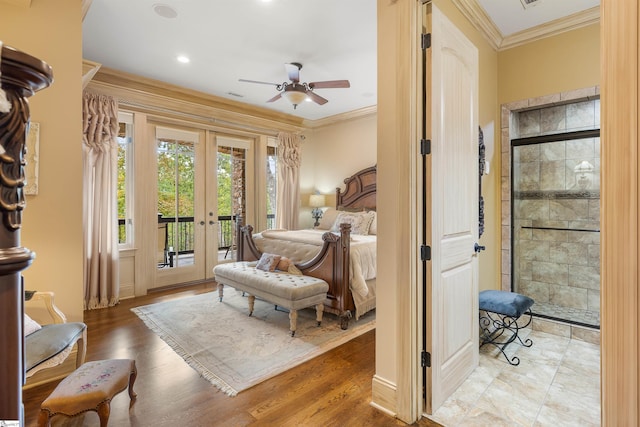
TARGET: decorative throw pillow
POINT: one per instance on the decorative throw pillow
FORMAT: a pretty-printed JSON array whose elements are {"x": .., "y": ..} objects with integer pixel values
[
  {"x": 283, "y": 264},
  {"x": 30, "y": 325},
  {"x": 373, "y": 229},
  {"x": 360, "y": 222},
  {"x": 328, "y": 218},
  {"x": 268, "y": 262}
]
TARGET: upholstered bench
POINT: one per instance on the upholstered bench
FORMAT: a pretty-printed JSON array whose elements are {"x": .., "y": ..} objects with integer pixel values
[
  {"x": 290, "y": 291},
  {"x": 499, "y": 313},
  {"x": 90, "y": 388}
]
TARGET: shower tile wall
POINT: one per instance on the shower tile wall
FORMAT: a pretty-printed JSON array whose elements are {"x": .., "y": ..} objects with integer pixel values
[{"x": 556, "y": 216}]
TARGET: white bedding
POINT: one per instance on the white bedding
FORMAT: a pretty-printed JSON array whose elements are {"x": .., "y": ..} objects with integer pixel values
[{"x": 302, "y": 245}]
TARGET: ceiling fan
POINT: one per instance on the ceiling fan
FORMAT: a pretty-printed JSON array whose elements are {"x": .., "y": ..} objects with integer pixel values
[{"x": 297, "y": 92}]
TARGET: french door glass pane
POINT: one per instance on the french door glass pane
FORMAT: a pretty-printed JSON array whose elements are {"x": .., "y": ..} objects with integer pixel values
[
  {"x": 272, "y": 185},
  {"x": 231, "y": 192},
  {"x": 176, "y": 189}
]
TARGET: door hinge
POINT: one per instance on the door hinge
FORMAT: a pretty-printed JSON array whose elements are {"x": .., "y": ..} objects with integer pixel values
[
  {"x": 425, "y": 147},
  {"x": 425, "y": 41},
  {"x": 425, "y": 359},
  {"x": 425, "y": 253}
]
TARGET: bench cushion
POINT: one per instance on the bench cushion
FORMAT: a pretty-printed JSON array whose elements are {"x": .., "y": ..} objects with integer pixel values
[
  {"x": 291, "y": 291},
  {"x": 287, "y": 286},
  {"x": 502, "y": 302},
  {"x": 91, "y": 384},
  {"x": 50, "y": 340}
]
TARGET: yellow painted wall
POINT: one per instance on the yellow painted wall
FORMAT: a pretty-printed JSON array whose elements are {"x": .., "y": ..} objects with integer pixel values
[
  {"x": 52, "y": 222},
  {"x": 332, "y": 153},
  {"x": 556, "y": 64}
]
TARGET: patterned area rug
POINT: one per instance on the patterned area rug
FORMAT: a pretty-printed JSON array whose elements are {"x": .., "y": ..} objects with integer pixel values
[{"x": 234, "y": 351}]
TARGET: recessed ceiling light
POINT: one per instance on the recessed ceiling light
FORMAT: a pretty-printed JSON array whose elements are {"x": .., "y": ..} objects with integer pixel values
[
  {"x": 165, "y": 10},
  {"x": 183, "y": 59}
]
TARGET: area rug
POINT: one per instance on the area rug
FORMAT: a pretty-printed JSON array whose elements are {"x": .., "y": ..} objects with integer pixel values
[{"x": 234, "y": 351}]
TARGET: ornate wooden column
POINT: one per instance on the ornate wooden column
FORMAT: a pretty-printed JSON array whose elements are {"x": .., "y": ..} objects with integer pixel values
[{"x": 22, "y": 75}]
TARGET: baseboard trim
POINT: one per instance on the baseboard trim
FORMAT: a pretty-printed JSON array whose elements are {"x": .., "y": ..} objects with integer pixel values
[{"x": 383, "y": 396}]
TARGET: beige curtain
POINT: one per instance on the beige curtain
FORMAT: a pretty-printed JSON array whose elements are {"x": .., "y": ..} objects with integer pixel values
[
  {"x": 100, "y": 207},
  {"x": 288, "y": 198}
]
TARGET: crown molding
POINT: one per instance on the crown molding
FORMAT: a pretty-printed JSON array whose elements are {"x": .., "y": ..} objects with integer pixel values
[
  {"x": 568, "y": 23},
  {"x": 343, "y": 117},
  {"x": 479, "y": 19},
  {"x": 483, "y": 23},
  {"x": 89, "y": 69}
]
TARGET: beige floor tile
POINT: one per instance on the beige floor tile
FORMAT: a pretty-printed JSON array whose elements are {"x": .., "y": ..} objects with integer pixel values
[{"x": 478, "y": 417}]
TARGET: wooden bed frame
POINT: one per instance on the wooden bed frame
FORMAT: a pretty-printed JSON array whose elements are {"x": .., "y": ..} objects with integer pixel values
[{"x": 332, "y": 262}]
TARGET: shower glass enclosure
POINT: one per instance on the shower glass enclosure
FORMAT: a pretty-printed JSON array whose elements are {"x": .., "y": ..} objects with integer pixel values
[{"x": 556, "y": 211}]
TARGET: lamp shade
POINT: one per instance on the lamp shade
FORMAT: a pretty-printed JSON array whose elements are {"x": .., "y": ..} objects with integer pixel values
[{"x": 317, "y": 200}]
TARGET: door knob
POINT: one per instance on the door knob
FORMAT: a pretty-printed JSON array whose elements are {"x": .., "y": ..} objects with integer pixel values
[
  {"x": 477, "y": 248},
  {"x": 201, "y": 222},
  {"x": 211, "y": 222}
]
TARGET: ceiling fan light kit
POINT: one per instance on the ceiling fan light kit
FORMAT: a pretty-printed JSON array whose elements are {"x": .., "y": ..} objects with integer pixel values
[{"x": 296, "y": 92}]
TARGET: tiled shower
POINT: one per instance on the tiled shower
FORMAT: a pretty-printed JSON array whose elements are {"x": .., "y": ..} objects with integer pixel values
[{"x": 556, "y": 210}]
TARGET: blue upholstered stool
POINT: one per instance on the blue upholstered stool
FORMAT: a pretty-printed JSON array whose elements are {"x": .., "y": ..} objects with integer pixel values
[{"x": 499, "y": 313}]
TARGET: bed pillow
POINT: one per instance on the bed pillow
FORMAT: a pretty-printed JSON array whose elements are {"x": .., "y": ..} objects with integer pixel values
[
  {"x": 328, "y": 218},
  {"x": 30, "y": 325},
  {"x": 268, "y": 262},
  {"x": 360, "y": 221},
  {"x": 373, "y": 229}
]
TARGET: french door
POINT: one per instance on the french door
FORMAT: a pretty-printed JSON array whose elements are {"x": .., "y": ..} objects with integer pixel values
[{"x": 200, "y": 191}]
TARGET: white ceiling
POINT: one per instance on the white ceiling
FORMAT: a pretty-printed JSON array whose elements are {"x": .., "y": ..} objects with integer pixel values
[{"x": 228, "y": 40}]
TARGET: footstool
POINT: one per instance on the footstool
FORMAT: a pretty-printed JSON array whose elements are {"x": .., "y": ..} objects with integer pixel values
[
  {"x": 500, "y": 312},
  {"x": 90, "y": 388}
]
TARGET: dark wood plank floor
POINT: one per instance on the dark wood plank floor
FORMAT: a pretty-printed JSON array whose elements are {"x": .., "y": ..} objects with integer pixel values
[{"x": 333, "y": 389}]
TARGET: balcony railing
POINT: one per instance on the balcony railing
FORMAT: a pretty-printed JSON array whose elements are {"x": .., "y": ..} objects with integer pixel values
[{"x": 182, "y": 231}]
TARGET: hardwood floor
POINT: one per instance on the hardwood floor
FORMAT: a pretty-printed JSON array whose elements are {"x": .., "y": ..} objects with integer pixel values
[{"x": 333, "y": 389}]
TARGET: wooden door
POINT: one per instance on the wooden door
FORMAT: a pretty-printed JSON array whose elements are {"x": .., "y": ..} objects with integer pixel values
[{"x": 451, "y": 84}]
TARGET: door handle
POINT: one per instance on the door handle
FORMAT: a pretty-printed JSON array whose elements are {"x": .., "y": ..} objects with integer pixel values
[
  {"x": 211, "y": 222},
  {"x": 477, "y": 248},
  {"x": 201, "y": 222}
]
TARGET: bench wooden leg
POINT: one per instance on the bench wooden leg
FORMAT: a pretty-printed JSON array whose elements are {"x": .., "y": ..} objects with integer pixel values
[
  {"x": 104, "y": 409},
  {"x": 220, "y": 291},
  {"x": 319, "y": 310},
  {"x": 293, "y": 321},
  {"x": 251, "y": 299},
  {"x": 132, "y": 379}
]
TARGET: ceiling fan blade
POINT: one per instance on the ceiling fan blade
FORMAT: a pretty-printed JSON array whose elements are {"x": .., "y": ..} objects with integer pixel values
[
  {"x": 316, "y": 98},
  {"x": 256, "y": 81},
  {"x": 275, "y": 98},
  {"x": 330, "y": 84},
  {"x": 293, "y": 71}
]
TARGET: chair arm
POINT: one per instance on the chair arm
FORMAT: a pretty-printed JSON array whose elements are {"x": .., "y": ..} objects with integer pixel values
[{"x": 55, "y": 313}]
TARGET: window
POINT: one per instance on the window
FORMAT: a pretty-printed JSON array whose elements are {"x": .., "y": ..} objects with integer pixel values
[
  {"x": 125, "y": 179},
  {"x": 272, "y": 183}
]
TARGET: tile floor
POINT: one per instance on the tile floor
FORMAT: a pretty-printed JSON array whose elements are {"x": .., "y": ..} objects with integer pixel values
[{"x": 556, "y": 384}]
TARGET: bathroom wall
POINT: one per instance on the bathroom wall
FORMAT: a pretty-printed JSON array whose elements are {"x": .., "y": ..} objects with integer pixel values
[{"x": 556, "y": 213}]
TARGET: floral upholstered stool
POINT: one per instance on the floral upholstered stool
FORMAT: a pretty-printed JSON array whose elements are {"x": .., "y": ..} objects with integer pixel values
[{"x": 90, "y": 388}]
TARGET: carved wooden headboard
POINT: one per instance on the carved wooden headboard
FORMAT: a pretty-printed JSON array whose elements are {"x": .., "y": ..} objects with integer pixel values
[{"x": 359, "y": 192}]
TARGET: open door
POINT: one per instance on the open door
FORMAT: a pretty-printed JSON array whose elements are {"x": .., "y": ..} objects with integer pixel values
[{"x": 450, "y": 207}]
